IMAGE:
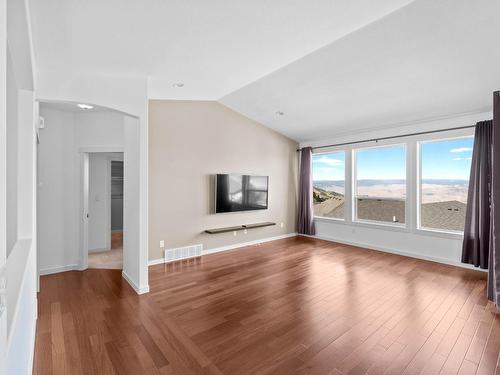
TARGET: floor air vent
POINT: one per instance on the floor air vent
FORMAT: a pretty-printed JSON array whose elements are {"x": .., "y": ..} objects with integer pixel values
[{"x": 186, "y": 252}]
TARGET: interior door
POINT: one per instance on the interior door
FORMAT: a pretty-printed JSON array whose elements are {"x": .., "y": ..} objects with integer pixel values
[{"x": 84, "y": 251}]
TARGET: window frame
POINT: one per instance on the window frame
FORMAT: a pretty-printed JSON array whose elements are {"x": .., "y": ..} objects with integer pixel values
[
  {"x": 418, "y": 226},
  {"x": 412, "y": 183},
  {"x": 354, "y": 212},
  {"x": 329, "y": 152}
]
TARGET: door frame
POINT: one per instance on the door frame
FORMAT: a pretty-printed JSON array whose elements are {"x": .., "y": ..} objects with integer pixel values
[{"x": 84, "y": 186}]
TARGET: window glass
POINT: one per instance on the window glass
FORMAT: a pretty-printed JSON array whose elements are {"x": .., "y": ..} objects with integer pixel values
[
  {"x": 329, "y": 184},
  {"x": 445, "y": 170},
  {"x": 380, "y": 185}
]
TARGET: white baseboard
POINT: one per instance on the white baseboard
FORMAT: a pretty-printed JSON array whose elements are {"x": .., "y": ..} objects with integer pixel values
[
  {"x": 138, "y": 289},
  {"x": 51, "y": 270},
  {"x": 231, "y": 247},
  {"x": 397, "y": 252}
]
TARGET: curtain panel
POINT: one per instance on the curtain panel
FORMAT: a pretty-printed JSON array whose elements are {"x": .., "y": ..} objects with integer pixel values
[
  {"x": 494, "y": 259},
  {"x": 476, "y": 245},
  {"x": 305, "y": 210}
]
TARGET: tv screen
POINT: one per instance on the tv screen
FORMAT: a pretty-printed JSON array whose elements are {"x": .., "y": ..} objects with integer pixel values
[{"x": 236, "y": 192}]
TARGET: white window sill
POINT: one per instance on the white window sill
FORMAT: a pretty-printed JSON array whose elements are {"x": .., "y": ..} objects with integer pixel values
[
  {"x": 381, "y": 225},
  {"x": 393, "y": 227},
  {"x": 439, "y": 233},
  {"x": 334, "y": 219},
  {"x": 364, "y": 223}
]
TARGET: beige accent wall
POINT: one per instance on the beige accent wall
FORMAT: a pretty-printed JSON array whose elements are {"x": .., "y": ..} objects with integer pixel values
[{"x": 189, "y": 142}]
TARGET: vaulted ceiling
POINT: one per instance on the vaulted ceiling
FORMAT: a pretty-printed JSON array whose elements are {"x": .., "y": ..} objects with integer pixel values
[{"x": 331, "y": 66}]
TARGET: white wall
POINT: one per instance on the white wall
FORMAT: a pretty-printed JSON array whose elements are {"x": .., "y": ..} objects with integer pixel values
[
  {"x": 99, "y": 230},
  {"x": 131, "y": 204},
  {"x": 441, "y": 247},
  {"x": 12, "y": 149},
  {"x": 59, "y": 186},
  {"x": 3, "y": 179},
  {"x": 18, "y": 187},
  {"x": 99, "y": 129},
  {"x": 57, "y": 191}
]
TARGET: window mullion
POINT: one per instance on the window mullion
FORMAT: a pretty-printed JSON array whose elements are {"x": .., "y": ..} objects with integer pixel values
[
  {"x": 349, "y": 186},
  {"x": 411, "y": 185}
]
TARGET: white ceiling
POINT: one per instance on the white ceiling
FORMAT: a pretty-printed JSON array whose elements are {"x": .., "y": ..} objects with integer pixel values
[
  {"x": 331, "y": 65},
  {"x": 429, "y": 59},
  {"x": 214, "y": 47}
]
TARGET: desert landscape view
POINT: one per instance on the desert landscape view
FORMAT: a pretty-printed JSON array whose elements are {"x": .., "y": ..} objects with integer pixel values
[{"x": 443, "y": 201}]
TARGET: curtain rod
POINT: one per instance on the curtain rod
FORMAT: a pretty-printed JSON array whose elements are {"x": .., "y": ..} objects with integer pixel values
[{"x": 391, "y": 137}]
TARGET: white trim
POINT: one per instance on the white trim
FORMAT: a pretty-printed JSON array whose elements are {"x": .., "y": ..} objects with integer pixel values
[
  {"x": 418, "y": 185},
  {"x": 455, "y": 235},
  {"x": 231, "y": 247},
  {"x": 354, "y": 194},
  {"x": 108, "y": 208},
  {"x": 58, "y": 269},
  {"x": 33, "y": 340},
  {"x": 137, "y": 289},
  {"x": 83, "y": 218},
  {"x": 101, "y": 149},
  {"x": 397, "y": 252}
]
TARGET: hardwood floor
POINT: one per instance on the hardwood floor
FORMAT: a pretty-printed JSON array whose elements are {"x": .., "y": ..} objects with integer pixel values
[{"x": 294, "y": 306}]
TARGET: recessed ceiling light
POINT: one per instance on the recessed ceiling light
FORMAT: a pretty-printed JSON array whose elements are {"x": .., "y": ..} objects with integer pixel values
[
  {"x": 280, "y": 113},
  {"x": 85, "y": 106},
  {"x": 178, "y": 85}
]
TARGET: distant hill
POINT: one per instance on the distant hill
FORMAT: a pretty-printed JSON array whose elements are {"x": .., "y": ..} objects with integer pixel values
[
  {"x": 321, "y": 195},
  {"x": 328, "y": 184},
  {"x": 332, "y": 184}
]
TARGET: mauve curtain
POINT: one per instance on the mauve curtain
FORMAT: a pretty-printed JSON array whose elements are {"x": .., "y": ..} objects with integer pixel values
[
  {"x": 305, "y": 212},
  {"x": 494, "y": 261},
  {"x": 475, "y": 249},
  {"x": 481, "y": 245}
]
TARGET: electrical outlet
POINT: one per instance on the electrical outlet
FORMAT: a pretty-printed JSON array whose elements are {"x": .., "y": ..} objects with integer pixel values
[
  {"x": 281, "y": 224},
  {"x": 162, "y": 244},
  {"x": 245, "y": 231},
  {"x": 234, "y": 233}
]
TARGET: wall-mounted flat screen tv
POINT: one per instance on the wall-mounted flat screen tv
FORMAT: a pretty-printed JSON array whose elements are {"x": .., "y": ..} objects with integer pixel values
[{"x": 236, "y": 192}]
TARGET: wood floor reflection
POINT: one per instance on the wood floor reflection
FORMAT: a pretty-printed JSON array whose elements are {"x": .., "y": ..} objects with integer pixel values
[{"x": 294, "y": 306}]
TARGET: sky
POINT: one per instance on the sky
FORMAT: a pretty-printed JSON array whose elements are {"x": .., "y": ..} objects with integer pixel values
[
  {"x": 329, "y": 166},
  {"x": 448, "y": 159}
]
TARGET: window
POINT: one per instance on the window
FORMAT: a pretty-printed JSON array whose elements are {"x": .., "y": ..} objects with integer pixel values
[
  {"x": 329, "y": 184},
  {"x": 380, "y": 184},
  {"x": 444, "y": 182}
]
